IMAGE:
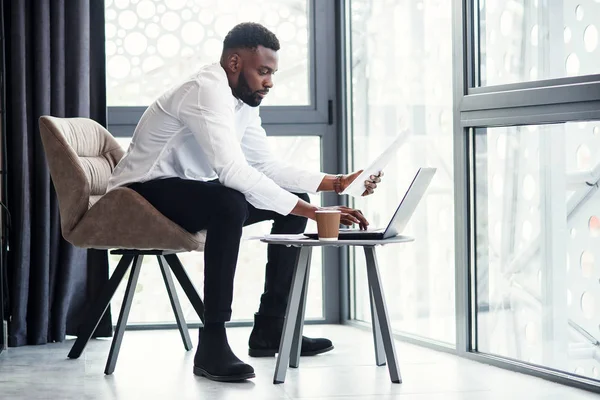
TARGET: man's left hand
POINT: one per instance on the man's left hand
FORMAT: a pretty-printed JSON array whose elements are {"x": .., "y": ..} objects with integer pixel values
[{"x": 370, "y": 184}]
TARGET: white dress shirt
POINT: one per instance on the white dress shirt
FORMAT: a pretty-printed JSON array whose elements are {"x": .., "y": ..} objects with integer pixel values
[{"x": 198, "y": 130}]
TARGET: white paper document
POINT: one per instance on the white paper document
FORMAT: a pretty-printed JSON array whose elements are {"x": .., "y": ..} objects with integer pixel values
[{"x": 357, "y": 187}]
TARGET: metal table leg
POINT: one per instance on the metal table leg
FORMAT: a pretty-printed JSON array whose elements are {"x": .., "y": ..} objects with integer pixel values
[
  {"x": 377, "y": 339},
  {"x": 299, "y": 327},
  {"x": 382, "y": 314},
  {"x": 291, "y": 315}
]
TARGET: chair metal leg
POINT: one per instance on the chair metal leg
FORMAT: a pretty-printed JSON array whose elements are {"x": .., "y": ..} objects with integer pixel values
[
  {"x": 299, "y": 326},
  {"x": 291, "y": 316},
  {"x": 382, "y": 314},
  {"x": 183, "y": 329},
  {"x": 122, "y": 321},
  {"x": 99, "y": 307},
  {"x": 377, "y": 339},
  {"x": 186, "y": 284}
]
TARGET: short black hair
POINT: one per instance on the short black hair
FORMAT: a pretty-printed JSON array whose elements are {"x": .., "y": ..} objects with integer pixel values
[{"x": 250, "y": 35}]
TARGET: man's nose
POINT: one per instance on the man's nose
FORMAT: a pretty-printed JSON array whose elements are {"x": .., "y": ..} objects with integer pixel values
[{"x": 268, "y": 83}]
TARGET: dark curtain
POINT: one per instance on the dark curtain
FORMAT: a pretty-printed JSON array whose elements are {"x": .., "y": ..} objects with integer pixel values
[
  {"x": 55, "y": 66},
  {"x": 3, "y": 214}
]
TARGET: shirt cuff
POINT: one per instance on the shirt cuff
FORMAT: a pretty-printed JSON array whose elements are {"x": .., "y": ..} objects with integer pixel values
[
  {"x": 310, "y": 181},
  {"x": 285, "y": 202}
]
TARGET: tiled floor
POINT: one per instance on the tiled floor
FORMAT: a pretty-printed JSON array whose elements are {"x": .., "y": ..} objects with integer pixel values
[{"x": 154, "y": 365}]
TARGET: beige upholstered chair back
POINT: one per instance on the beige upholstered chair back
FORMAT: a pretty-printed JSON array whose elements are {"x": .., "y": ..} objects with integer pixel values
[{"x": 81, "y": 155}]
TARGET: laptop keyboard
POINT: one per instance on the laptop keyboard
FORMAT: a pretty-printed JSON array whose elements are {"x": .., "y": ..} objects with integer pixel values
[{"x": 358, "y": 230}]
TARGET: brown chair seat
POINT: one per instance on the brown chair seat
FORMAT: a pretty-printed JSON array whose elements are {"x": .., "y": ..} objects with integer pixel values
[{"x": 124, "y": 219}]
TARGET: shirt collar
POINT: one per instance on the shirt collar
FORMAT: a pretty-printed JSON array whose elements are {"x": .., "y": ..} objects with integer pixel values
[{"x": 239, "y": 104}]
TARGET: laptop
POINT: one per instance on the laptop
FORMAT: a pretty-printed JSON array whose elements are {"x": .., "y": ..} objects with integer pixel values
[{"x": 403, "y": 213}]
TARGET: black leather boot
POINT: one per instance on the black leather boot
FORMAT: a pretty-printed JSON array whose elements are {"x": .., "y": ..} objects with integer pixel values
[
  {"x": 215, "y": 360},
  {"x": 266, "y": 336}
]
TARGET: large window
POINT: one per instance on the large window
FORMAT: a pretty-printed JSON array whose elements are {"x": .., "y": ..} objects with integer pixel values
[
  {"x": 526, "y": 143},
  {"x": 527, "y": 40},
  {"x": 402, "y": 79},
  {"x": 151, "y": 45},
  {"x": 537, "y": 251},
  {"x": 501, "y": 97}
]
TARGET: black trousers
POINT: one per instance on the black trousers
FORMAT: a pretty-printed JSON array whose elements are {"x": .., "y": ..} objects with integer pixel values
[{"x": 222, "y": 211}]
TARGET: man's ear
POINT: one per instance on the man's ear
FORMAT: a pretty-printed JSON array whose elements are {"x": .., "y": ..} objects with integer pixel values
[{"x": 234, "y": 62}]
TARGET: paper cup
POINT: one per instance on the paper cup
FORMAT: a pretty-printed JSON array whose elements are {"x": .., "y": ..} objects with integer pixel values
[{"x": 328, "y": 224}]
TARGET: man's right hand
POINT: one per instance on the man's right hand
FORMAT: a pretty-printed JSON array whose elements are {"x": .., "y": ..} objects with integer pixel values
[{"x": 349, "y": 215}]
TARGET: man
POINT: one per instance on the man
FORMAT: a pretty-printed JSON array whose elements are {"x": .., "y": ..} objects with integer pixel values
[{"x": 200, "y": 156}]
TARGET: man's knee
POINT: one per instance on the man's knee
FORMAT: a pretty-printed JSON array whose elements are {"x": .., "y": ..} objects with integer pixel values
[{"x": 231, "y": 204}]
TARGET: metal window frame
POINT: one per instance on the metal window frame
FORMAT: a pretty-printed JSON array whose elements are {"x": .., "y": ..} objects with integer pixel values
[
  {"x": 332, "y": 159},
  {"x": 320, "y": 119},
  {"x": 462, "y": 78},
  {"x": 344, "y": 129},
  {"x": 344, "y": 20}
]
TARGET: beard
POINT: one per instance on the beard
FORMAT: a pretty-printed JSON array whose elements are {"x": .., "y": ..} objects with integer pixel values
[{"x": 244, "y": 93}]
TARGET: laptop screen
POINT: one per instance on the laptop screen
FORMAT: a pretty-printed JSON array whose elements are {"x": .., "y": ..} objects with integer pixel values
[{"x": 409, "y": 202}]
